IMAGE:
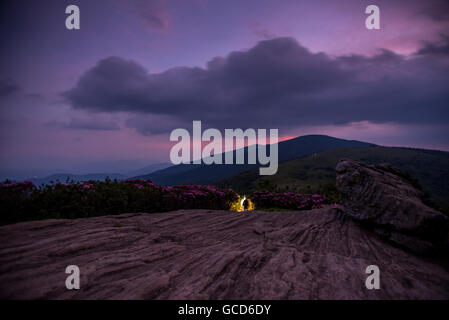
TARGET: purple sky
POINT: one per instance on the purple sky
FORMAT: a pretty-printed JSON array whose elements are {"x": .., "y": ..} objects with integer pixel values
[{"x": 106, "y": 97}]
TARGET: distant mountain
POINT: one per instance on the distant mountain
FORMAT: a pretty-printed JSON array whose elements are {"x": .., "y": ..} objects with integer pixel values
[
  {"x": 208, "y": 174},
  {"x": 149, "y": 169},
  {"x": 64, "y": 177},
  {"x": 311, "y": 173},
  {"x": 23, "y": 174}
]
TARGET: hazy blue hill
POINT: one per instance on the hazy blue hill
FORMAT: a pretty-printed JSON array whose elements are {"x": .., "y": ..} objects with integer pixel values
[
  {"x": 204, "y": 174},
  {"x": 149, "y": 169},
  {"x": 312, "y": 172},
  {"x": 64, "y": 177}
]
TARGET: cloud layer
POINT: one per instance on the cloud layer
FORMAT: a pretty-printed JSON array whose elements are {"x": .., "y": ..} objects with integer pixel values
[
  {"x": 276, "y": 84},
  {"x": 84, "y": 124}
]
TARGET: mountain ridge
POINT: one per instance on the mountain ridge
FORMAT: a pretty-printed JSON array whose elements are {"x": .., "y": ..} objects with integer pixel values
[{"x": 206, "y": 174}]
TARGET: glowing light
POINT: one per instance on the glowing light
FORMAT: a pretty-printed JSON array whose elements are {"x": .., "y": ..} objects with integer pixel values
[{"x": 241, "y": 203}]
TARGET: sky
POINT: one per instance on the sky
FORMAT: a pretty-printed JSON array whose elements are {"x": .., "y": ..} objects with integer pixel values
[{"x": 106, "y": 97}]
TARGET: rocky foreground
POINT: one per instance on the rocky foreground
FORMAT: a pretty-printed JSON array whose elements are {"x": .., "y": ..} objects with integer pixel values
[{"x": 204, "y": 254}]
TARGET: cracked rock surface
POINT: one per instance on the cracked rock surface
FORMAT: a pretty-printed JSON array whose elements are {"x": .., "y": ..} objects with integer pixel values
[{"x": 205, "y": 254}]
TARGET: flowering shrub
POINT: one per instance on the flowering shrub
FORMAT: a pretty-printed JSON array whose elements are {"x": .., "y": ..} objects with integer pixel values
[
  {"x": 286, "y": 200},
  {"x": 23, "y": 201},
  {"x": 197, "y": 196},
  {"x": 19, "y": 187}
]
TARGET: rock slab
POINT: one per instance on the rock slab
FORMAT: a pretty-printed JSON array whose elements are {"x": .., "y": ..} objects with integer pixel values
[{"x": 203, "y": 254}]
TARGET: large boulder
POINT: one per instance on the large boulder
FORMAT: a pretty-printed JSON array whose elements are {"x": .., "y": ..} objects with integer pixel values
[{"x": 383, "y": 197}]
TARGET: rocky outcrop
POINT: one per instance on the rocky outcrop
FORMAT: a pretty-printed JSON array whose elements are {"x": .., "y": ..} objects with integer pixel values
[
  {"x": 203, "y": 254},
  {"x": 382, "y": 196}
]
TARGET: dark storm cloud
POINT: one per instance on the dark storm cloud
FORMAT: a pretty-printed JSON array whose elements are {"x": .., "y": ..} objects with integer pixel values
[
  {"x": 436, "y": 48},
  {"x": 278, "y": 84},
  {"x": 7, "y": 87},
  {"x": 84, "y": 124}
]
